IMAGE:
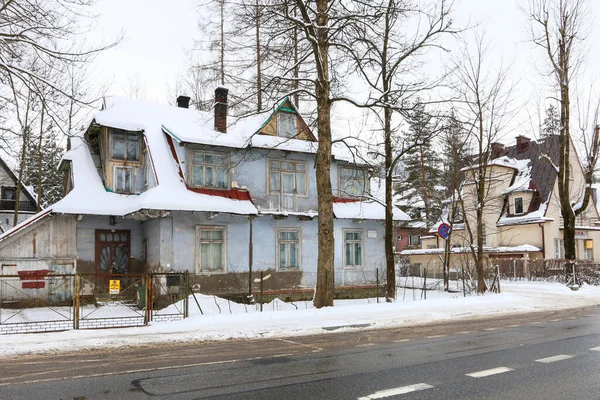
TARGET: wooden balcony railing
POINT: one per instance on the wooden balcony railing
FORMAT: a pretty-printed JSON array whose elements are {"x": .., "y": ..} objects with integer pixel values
[{"x": 9, "y": 205}]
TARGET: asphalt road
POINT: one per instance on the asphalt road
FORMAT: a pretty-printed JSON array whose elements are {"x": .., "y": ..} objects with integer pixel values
[{"x": 552, "y": 355}]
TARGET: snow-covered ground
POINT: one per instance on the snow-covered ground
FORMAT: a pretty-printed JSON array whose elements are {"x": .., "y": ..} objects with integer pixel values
[{"x": 517, "y": 297}]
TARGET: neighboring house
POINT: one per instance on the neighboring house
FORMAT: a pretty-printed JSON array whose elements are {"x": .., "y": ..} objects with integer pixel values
[
  {"x": 160, "y": 187},
  {"x": 522, "y": 218},
  {"x": 8, "y": 198}
]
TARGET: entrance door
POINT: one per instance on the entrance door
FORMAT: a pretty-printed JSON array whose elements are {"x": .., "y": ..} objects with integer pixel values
[{"x": 112, "y": 251}]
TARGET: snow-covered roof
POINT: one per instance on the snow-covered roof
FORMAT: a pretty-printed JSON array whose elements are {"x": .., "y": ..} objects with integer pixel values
[
  {"x": 89, "y": 195},
  {"x": 27, "y": 189},
  {"x": 366, "y": 210},
  {"x": 503, "y": 161},
  {"x": 524, "y": 248},
  {"x": 522, "y": 181},
  {"x": 197, "y": 127}
]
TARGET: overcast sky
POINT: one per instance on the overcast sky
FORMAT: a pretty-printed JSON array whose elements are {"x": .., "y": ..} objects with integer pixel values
[{"x": 158, "y": 34}]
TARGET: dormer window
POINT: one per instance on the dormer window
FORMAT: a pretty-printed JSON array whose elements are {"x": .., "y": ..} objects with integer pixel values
[
  {"x": 286, "y": 124},
  {"x": 123, "y": 180},
  {"x": 352, "y": 182},
  {"x": 518, "y": 205},
  {"x": 126, "y": 146},
  {"x": 209, "y": 170}
]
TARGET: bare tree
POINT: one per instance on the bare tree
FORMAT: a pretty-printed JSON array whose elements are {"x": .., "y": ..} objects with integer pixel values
[
  {"x": 558, "y": 28},
  {"x": 387, "y": 56},
  {"x": 484, "y": 98}
]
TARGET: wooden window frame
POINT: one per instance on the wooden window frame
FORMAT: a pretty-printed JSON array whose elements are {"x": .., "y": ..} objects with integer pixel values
[
  {"x": 190, "y": 169},
  {"x": 343, "y": 194},
  {"x": 131, "y": 179},
  {"x": 279, "y": 133},
  {"x": 198, "y": 248},
  {"x": 295, "y": 162},
  {"x": 362, "y": 244},
  {"x": 138, "y": 162},
  {"x": 277, "y": 242}
]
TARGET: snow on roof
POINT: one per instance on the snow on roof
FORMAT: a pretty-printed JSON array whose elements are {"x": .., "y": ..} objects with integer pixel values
[
  {"x": 89, "y": 195},
  {"x": 197, "y": 127},
  {"x": 503, "y": 161},
  {"x": 524, "y": 248},
  {"x": 522, "y": 179},
  {"x": 366, "y": 210}
]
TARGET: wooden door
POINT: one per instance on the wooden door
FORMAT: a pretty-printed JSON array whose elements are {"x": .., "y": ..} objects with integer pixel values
[{"x": 113, "y": 251}]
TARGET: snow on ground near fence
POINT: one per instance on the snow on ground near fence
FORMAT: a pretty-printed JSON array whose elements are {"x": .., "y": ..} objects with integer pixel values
[{"x": 517, "y": 297}]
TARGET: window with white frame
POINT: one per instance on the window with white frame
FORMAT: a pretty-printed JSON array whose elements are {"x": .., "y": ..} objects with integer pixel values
[
  {"x": 414, "y": 240},
  {"x": 559, "y": 248},
  {"x": 211, "y": 249},
  {"x": 286, "y": 124},
  {"x": 518, "y": 205},
  {"x": 209, "y": 170},
  {"x": 123, "y": 180},
  {"x": 287, "y": 179},
  {"x": 126, "y": 146},
  {"x": 353, "y": 244},
  {"x": 352, "y": 182},
  {"x": 288, "y": 245}
]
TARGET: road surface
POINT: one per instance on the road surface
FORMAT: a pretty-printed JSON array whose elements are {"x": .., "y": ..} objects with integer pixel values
[{"x": 550, "y": 355}]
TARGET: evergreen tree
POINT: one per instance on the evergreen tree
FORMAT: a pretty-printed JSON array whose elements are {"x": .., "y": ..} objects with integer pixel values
[
  {"x": 51, "y": 153},
  {"x": 420, "y": 191},
  {"x": 551, "y": 124}
]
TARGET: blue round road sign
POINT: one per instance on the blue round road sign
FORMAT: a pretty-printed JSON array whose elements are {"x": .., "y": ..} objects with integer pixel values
[{"x": 443, "y": 230}]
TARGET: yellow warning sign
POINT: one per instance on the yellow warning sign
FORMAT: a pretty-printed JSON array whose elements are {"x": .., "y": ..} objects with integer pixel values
[{"x": 114, "y": 286}]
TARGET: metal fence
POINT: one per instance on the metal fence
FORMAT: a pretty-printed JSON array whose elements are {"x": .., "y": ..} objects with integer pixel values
[{"x": 37, "y": 301}]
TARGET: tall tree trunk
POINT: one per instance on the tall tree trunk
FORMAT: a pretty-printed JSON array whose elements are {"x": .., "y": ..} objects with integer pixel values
[
  {"x": 481, "y": 200},
  {"x": 39, "y": 183},
  {"x": 258, "y": 61},
  {"x": 325, "y": 275},
  {"x": 390, "y": 292},
  {"x": 295, "y": 83},
  {"x": 424, "y": 185},
  {"x": 25, "y": 128}
]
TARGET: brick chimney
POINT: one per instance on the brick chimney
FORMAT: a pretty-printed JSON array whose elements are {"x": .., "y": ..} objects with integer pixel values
[
  {"x": 183, "y": 102},
  {"x": 221, "y": 109},
  {"x": 523, "y": 144},
  {"x": 497, "y": 150}
]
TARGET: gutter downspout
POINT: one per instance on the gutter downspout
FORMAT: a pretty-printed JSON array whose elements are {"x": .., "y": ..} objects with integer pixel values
[{"x": 541, "y": 225}]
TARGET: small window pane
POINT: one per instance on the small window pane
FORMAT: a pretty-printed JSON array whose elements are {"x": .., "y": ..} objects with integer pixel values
[
  {"x": 286, "y": 166},
  {"x": 294, "y": 256},
  {"x": 357, "y": 254},
  {"x": 300, "y": 168},
  {"x": 118, "y": 150},
  {"x": 283, "y": 256},
  {"x": 217, "y": 256},
  {"x": 301, "y": 183},
  {"x": 198, "y": 158},
  {"x": 288, "y": 183},
  {"x": 210, "y": 176},
  {"x": 275, "y": 182},
  {"x": 205, "y": 235},
  {"x": 198, "y": 175},
  {"x": 292, "y": 235},
  {"x": 221, "y": 177},
  {"x": 205, "y": 256},
  {"x": 209, "y": 159},
  {"x": 217, "y": 235},
  {"x": 275, "y": 165},
  {"x": 133, "y": 152},
  {"x": 349, "y": 258}
]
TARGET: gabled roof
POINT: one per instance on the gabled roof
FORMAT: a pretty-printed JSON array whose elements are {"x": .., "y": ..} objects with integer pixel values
[{"x": 27, "y": 190}]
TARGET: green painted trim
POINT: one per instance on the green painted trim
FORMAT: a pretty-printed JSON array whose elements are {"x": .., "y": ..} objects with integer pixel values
[
  {"x": 280, "y": 106},
  {"x": 108, "y": 190},
  {"x": 287, "y": 109},
  {"x": 168, "y": 132}
]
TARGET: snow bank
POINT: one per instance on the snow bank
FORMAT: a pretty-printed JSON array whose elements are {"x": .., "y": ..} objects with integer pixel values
[{"x": 519, "y": 297}]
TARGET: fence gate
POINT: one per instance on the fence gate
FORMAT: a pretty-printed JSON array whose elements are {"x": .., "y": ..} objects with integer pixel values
[{"x": 110, "y": 300}]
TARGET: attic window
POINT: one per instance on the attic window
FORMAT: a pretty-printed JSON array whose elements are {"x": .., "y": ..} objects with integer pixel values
[
  {"x": 126, "y": 146},
  {"x": 209, "y": 170},
  {"x": 9, "y": 193},
  {"x": 286, "y": 124},
  {"x": 518, "y": 205}
]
